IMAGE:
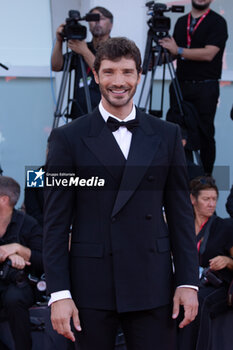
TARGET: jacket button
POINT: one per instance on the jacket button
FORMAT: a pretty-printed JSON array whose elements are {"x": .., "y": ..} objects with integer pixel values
[
  {"x": 151, "y": 178},
  {"x": 148, "y": 217}
]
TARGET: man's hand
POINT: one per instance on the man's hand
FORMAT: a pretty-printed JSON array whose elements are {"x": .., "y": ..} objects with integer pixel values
[
  {"x": 170, "y": 45},
  {"x": 220, "y": 262},
  {"x": 61, "y": 313},
  {"x": 6, "y": 250},
  {"x": 59, "y": 32},
  {"x": 188, "y": 298},
  {"x": 18, "y": 262},
  {"x": 78, "y": 46}
]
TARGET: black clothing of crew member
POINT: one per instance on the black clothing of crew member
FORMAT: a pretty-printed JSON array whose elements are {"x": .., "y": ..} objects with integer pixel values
[
  {"x": 15, "y": 298},
  {"x": 211, "y": 31},
  {"x": 199, "y": 79},
  {"x": 79, "y": 105}
]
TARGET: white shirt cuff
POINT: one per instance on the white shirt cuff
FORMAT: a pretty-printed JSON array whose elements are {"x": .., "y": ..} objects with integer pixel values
[
  {"x": 63, "y": 294},
  {"x": 188, "y": 286}
]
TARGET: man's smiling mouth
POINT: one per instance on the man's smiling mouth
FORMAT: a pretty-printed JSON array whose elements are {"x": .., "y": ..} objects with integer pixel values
[{"x": 118, "y": 92}]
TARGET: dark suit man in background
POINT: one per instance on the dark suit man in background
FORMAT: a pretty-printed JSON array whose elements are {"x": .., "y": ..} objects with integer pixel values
[
  {"x": 199, "y": 40},
  {"x": 119, "y": 267}
]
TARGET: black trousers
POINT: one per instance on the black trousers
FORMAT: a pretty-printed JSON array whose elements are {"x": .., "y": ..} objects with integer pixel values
[
  {"x": 3, "y": 346},
  {"x": 143, "y": 330},
  {"x": 16, "y": 300},
  {"x": 204, "y": 96}
]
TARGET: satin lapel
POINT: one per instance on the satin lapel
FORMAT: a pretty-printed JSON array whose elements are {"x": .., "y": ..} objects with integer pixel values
[
  {"x": 143, "y": 148},
  {"x": 103, "y": 145}
]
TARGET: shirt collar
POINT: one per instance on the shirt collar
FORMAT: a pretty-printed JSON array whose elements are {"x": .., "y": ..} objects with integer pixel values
[{"x": 105, "y": 114}]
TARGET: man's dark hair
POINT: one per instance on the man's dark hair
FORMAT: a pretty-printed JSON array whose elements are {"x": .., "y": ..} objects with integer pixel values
[
  {"x": 104, "y": 12},
  {"x": 115, "y": 48},
  {"x": 9, "y": 187},
  {"x": 202, "y": 183}
]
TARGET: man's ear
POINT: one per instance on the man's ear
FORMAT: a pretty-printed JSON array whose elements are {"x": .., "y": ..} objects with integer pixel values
[
  {"x": 5, "y": 199},
  {"x": 95, "y": 76}
]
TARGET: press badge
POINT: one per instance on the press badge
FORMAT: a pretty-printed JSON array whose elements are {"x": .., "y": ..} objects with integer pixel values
[{"x": 89, "y": 79}]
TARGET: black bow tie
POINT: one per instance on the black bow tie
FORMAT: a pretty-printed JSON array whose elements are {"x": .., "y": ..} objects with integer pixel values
[{"x": 114, "y": 124}]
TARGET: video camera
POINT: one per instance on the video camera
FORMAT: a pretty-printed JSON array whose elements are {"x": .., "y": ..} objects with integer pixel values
[
  {"x": 73, "y": 29},
  {"x": 11, "y": 274},
  {"x": 210, "y": 278},
  {"x": 160, "y": 24}
]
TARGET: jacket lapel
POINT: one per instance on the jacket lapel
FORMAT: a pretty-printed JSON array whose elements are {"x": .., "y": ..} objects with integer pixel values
[
  {"x": 103, "y": 145},
  {"x": 143, "y": 148}
]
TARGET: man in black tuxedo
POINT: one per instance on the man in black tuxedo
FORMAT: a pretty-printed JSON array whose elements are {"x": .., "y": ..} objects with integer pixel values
[{"x": 118, "y": 269}]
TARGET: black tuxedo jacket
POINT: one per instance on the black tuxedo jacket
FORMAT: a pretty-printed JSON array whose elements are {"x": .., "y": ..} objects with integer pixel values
[{"x": 121, "y": 249}]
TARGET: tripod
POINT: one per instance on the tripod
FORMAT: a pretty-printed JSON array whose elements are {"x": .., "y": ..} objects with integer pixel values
[
  {"x": 156, "y": 54},
  {"x": 186, "y": 112},
  {"x": 3, "y": 66},
  {"x": 66, "y": 78}
]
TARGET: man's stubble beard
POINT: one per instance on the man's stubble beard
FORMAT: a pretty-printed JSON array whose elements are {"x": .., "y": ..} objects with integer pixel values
[
  {"x": 117, "y": 103},
  {"x": 99, "y": 33},
  {"x": 200, "y": 7}
]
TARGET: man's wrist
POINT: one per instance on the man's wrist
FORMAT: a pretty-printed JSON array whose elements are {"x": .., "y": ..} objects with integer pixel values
[
  {"x": 180, "y": 51},
  {"x": 64, "y": 294},
  {"x": 188, "y": 286}
]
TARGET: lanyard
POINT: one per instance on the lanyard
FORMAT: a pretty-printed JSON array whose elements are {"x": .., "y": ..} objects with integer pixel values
[
  {"x": 189, "y": 37},
  {"x": 200, "y": 241}
]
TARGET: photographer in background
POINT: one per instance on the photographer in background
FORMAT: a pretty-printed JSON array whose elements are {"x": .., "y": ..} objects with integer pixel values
[
  {"x": 215, "y": 249},
  {"x": 20, "y": 253},
  {"x": 100, "y": 31},
  {"x": 198, "y": 42}
]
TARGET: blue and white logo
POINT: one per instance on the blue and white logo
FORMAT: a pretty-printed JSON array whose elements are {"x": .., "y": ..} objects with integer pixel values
[{"x": 35, "y": 178}]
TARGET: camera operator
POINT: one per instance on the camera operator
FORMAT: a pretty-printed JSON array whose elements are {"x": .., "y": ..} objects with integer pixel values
[
  {"x": 198, "y": 42},
  {"x": 20, "y": 253},
  {"x": 100, "y": 31}
]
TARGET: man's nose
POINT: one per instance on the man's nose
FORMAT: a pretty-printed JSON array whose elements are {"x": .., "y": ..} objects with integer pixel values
[{"x": 119, "y": 79}]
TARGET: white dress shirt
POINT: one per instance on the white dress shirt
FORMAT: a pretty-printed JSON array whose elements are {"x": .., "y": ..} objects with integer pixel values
[{"x": 123, "y": 137}]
